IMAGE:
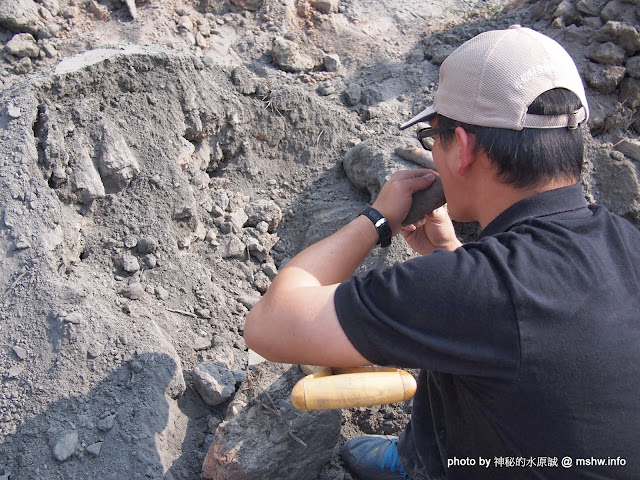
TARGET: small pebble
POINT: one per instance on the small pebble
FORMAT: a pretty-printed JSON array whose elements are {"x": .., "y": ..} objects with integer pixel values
[{"x": 20, "y": 352}]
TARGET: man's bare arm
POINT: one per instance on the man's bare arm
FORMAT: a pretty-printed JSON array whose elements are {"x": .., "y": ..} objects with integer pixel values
[{"x": 296, "y": 321}]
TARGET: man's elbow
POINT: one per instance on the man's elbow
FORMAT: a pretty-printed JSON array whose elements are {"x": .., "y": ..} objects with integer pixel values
[
  {"x": 251, "y": 334},
  {"x": 256, "y": 337}
]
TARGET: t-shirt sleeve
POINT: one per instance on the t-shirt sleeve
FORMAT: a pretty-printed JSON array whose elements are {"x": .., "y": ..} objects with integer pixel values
[{"x": 447, "y": 311}]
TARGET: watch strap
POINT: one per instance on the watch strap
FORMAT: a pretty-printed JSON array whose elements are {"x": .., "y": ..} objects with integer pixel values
[{"x": 381, "y": 224}]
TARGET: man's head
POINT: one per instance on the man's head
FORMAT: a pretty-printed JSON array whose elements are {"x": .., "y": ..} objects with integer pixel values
[{"x": 519, "y": 99}]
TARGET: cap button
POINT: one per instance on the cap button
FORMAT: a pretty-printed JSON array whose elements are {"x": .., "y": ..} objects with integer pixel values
[{"x": 517, "y": 25}]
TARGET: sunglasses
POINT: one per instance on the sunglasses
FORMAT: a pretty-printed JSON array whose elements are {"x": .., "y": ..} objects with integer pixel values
[{"x": 425, "y": 136}]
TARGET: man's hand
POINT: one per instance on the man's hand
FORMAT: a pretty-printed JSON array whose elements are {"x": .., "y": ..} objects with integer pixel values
[
  {"x": 434, "y": 231},
  {"x": 395, "y": 198}
]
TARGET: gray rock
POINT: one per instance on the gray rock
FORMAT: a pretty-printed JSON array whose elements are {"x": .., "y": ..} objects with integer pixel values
[
  {"x": 629, "y": 147},
  {"x": 129, "y": 263},
  {"x": 221, "y": 199},
  {"x": 101, "y": 12},
  {"x": 86, "y": 181},
  {"x": 590, "y": 7},
  {"x": 147, "y": 245},
  {"x": 116, "y": 162},
  {"x": 623, "y": 34},
  {"x": 65, "y": 446},
  {"x": 438, "y": 53},
  {"x": 131, "y": 6},
  {"x": 49, "y": 50},
  {"x": 75, "y": 318},
  {"x": 325, "y": 89},
  {"x": 633, "y": 66},
  {"x": 606, "y": 53},
  {"x": 353, "y": 94},
  {"x": 23, "y": 45},
  {"x": 13, "y": 111},
  {"x": 20, "y": 352},
  {"x": 201, "y": 343},
  {"x": 262, "y": 210},
  {"x": 244, "y": 80},
  {"x": 325, "y": 6},
  {"x": 568, "y": 12},
  {"x": 292, "y": 56},
  {"x": 232, "y": 247},
  {"x": 24, "y": 65},
  {"x": 95, "y": 350},
  {"x": 94, "y": 449},
  {"x": 630, "y": 92},
  {"x": 162, "y": 293},
  {"x": 616, "y": 182},
  {"x": 251, "y": 5},
  {"x": 603, "y": 78},
  {"x": 15, "y": 371},
  {"x": 135, "y": 291},
  {"x": 617, "y": 10},
  {"x": 270, "y": 270},
  {"x": 237, "y": 219},
  {"x": 261, "y": 282},
  {"x": 332, "y": 62},
  {"x": 249, "y": 301},
  {"x": 184, "y": 211},
  {"x": 20, "y": 16},
  {"x": 214, "y": 382},
  {"x": 267, "y": 437},
  {"x": 105, "y": 424},
  {"x": 52, "y": 5},
  {"x": 371, "y": 163}
]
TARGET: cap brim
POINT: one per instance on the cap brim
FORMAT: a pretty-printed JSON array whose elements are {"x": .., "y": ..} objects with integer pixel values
[{"x": 423, "y": 116}]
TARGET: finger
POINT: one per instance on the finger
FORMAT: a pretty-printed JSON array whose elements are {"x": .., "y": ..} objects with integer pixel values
[
  {"x": 440, "y": 215},
  {"x": 411, "y": 173},
  {"x": 415, "y": 155},
  {"x": 420, "y": 183}
]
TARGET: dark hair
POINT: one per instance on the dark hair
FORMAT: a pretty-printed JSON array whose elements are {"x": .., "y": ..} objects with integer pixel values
[{"x": 531, "y": 156}]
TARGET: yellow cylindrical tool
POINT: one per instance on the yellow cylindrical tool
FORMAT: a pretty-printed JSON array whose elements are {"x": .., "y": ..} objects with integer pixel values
[{"x": 352, "y": 387}]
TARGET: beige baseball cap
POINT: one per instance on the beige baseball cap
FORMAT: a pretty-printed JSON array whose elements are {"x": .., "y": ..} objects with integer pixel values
[{"x": 491, "y": 80}]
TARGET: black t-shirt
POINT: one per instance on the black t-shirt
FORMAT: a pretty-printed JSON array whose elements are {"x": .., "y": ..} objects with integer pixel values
[{"x": 528, "y": 341}]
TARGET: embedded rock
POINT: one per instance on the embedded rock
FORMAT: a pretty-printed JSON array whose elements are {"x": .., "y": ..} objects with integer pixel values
[
  {"x": 633, "y": 66},
  {"x": 623, "y": 34},
  {"x": 325, "y": 6},
  {"x": 20, "y": 16},
  {"x": 117, "y": 163},
  {"x": 264, "y": 211},
  {"x": 292, "y": 56},
  {"x": 630, "y": 92},
  {"x": 264, "y": 436},
  {"x": 214, "y": 382},
  {"x": 606, "y": 53},
  {"x": 251, "y": 5},
  {"x": 371, "y": 163},
  {"x": 23, "y": 45},
  {"x": 617, "y": 10},
  {"x": 629, "y": 147},
  {"x": 604, "y": 78},
  {"x": 616, "y": 183},
  {"x": 65, "y": 446},
  {"x": 568, "y": 12}
]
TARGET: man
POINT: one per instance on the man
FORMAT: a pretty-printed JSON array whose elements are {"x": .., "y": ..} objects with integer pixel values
[{"x": 528, "y": 339}]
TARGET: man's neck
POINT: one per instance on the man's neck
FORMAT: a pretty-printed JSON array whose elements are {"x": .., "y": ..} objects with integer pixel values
[{"x": 496, "y": 197}]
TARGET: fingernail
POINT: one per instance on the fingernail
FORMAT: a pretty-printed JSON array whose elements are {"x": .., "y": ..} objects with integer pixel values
[{"x": 429, "y": 176}]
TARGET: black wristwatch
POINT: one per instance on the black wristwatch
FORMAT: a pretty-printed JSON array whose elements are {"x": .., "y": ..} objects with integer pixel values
[{"x": 381, "y": 224}]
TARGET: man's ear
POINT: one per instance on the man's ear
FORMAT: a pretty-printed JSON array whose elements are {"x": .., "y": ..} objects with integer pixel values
[{"x": 466, "y": 143}]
